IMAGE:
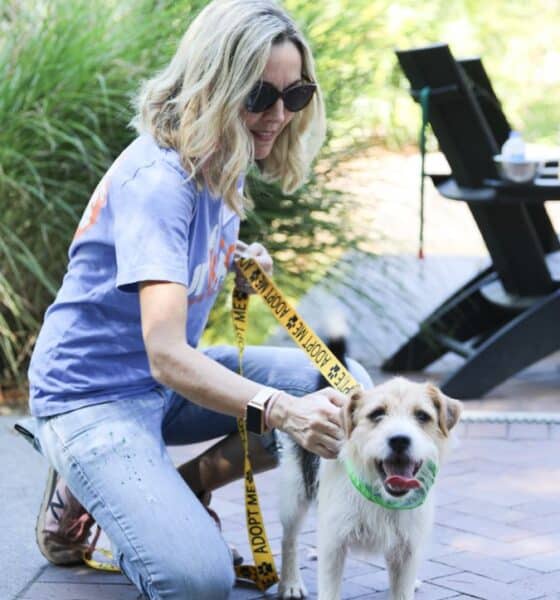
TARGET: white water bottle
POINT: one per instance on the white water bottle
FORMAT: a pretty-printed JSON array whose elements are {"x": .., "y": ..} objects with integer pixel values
[{"x": 514, "y": 147}]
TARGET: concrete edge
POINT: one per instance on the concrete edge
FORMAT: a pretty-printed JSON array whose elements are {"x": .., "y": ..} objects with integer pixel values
[{"x": 525, "y": 417}]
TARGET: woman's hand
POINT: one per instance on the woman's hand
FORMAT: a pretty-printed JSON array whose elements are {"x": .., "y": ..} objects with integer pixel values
[
  {"x": 314, "y": 421},
  {"x": 262, "y": 257}
]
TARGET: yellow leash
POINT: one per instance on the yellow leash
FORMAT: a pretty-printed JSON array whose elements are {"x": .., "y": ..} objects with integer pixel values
[
  {"x": 111, "y": 567},
  {"x": 263, "y": 573},
  {"x": 327, "y": 363}
]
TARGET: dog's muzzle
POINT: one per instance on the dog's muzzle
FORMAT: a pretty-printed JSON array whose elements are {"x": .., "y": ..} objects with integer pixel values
[
  {"x": 413, "y": 497},
  {"x": 398, "y": 474}
]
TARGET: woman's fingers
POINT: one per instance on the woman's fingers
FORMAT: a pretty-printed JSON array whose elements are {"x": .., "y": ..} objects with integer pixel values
[
  {"x": 337, "y": 398},
  {"x": 241, "y": 246},
  {"x": 262, "y": 257},
  {"x": 330, "y": 430},
  {"x": 314, "y": 421},
  {"x": 325, "y": 446},
  {"x": 325, "y": 451},
  {"x": 242, "y": 284}
]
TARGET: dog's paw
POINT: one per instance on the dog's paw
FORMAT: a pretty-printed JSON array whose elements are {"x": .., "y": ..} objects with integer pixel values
[
  {"x": 417, "y": 584},
  {"x": 292, "y": 589}
]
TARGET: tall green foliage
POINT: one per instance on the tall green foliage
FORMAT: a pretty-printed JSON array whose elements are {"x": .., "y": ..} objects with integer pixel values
[{"x": 68, "y": 71}]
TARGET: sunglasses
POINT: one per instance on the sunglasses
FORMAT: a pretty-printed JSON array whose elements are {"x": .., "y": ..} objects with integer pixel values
[{"x": 295, "y": 97}]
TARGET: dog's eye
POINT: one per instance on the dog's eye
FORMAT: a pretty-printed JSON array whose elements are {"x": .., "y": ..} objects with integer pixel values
[
  {"x": 422, "y": 416},
  {"x": 377, "y": 414}
]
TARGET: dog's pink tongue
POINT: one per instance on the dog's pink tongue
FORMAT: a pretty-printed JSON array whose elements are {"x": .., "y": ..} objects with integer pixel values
[{"x": 398, "y": 482}]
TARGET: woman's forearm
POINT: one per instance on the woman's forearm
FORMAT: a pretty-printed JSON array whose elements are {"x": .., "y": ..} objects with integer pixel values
[
  {"x": 202, "y": 380},
  {"x": 314, "y": 420}
]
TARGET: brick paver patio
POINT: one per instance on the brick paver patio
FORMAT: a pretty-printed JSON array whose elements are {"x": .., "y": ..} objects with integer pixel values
[{"x": 497, "y": 532}]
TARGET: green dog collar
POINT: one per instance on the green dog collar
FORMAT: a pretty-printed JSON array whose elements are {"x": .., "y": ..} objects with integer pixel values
[{"x": 415, "y": 498}]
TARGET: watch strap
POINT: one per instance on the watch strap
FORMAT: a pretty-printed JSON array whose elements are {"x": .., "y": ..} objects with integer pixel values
[{"x": 255, "y": 411}]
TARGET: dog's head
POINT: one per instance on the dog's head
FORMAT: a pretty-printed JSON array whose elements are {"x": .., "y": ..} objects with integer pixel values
[{"x": 394, "y": 428}]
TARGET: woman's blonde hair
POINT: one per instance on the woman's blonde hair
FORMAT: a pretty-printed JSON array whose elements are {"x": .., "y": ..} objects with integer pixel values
[{"x": 194, "y": 105}]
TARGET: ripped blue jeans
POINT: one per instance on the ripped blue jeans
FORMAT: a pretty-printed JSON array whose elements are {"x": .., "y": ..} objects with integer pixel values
[{"x": 114, "y": 458}]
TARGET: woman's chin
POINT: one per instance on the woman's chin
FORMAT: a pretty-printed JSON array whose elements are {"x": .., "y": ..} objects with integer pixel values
[
  {"x": 262, "y": 149},
  {"x": 262, "y": 153}
]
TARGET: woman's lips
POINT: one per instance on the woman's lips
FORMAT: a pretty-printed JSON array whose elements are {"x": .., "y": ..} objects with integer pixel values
[{"x": 264, "y": 136}]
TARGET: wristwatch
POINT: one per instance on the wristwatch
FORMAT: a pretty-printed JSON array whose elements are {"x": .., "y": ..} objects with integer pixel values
[{"x": 255, "y": 412}]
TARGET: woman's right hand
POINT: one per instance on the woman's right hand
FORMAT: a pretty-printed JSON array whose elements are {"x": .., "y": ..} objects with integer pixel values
[{"x": 314, "y": 421}]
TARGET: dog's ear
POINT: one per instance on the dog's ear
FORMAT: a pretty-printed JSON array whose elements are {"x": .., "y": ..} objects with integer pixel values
[
  {"x": 352, "y": 404},
  {"x": 448, "y": 409}
]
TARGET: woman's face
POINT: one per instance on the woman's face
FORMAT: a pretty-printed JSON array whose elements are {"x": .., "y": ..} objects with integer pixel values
[{"x": 282, "y": 69}]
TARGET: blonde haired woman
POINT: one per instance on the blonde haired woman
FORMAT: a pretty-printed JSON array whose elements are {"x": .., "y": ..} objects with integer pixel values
[{"x": 116, "y": 375}]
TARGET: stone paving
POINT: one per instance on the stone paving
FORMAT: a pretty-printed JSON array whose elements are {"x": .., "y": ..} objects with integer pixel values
[
  {"x": 496, "y": 537},
  {"x": 497, "y": 532}
]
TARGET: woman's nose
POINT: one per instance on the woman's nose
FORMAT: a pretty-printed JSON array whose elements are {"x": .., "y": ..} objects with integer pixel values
[{"x": 277, "y": 110}]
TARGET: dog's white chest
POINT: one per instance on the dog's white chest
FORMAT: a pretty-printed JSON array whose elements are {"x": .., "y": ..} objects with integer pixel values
[{"x": 363, "y": 524}]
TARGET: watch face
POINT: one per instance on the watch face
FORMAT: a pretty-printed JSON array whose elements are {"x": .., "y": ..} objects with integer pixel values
[{"x": 254, "y": 419}]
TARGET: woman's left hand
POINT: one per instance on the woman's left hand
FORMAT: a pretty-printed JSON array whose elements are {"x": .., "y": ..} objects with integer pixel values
[{"x": 261, "y": 256}]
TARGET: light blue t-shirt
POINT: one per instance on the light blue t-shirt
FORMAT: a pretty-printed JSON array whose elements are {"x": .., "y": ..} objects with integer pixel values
[{"x": 145, "y": 221}]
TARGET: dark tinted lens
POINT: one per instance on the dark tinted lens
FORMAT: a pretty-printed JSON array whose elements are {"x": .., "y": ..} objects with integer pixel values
[
  {"x": 262, "y": 97},
  {"x": 298, "y": 97}
]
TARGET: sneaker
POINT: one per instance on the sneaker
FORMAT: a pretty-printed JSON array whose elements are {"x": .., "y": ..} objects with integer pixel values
[
  {"x": 205, "y": 498},
  {"x": 63, "y": 525}
]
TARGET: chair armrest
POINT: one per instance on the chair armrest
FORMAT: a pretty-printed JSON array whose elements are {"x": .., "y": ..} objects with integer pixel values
[
  {"x": 539, "y": 190},
  {"x": 438, "y": 178},
  {"x": 449, "y": 188}
]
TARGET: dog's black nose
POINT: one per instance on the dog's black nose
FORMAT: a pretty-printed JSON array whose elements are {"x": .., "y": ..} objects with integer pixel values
[{"x": 399, "y": 443}]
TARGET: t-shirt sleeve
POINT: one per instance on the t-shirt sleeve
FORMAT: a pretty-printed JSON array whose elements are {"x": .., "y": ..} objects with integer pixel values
[{"x": 152, "y": 210}]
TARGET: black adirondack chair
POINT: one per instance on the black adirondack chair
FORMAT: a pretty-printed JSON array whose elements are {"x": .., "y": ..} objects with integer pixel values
[{"x": 508, "y": 316}]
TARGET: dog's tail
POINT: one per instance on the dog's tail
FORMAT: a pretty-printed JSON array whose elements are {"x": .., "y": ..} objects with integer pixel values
[{"x": 336, "y": 339}]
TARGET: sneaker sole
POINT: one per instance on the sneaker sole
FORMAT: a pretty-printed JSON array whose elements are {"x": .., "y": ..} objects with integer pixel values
[
  {"x": 40, "y": 525},
  {"x": 58, "y": 554}
]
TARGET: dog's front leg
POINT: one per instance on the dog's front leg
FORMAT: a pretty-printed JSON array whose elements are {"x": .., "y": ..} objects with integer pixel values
[
  {"x": 331, "y": 555},
  {"x": 402, "y": 563}
]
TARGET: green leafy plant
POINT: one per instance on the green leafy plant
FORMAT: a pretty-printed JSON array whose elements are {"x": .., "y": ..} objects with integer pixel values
[{"x": 68, "y": 71}]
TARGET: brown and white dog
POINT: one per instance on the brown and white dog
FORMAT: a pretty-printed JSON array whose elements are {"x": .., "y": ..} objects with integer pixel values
[{"x": 390, "y": 431}]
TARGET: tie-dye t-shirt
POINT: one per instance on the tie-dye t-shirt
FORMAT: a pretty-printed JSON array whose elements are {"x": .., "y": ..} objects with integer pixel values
[{"x": 145, "y": 221}]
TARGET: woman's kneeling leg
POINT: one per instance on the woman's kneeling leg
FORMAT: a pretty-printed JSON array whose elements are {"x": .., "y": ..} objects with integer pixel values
[{"x": 114, "y": 460}]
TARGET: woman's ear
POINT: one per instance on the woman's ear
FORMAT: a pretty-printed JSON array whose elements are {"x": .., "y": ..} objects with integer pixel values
[
  {"x": 353, "y": 402},
  {"x": 448, "y": 409}
]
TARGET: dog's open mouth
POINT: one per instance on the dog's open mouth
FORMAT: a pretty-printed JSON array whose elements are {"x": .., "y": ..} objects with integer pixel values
[{"x": 399, "y": 476}]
